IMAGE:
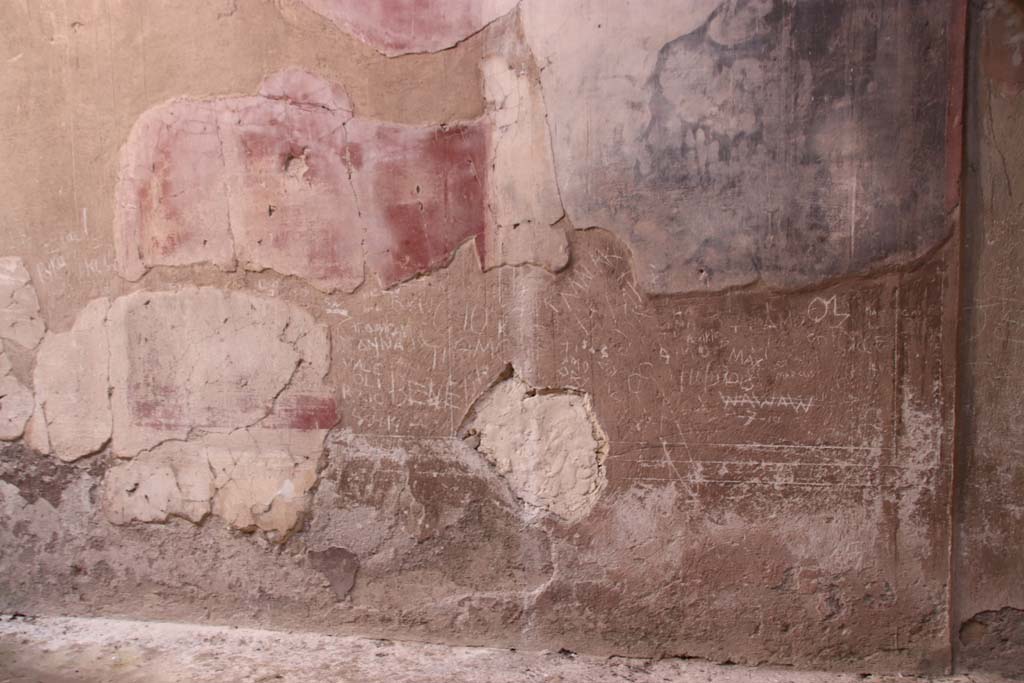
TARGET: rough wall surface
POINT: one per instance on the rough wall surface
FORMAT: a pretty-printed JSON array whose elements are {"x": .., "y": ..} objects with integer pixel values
[
  {"x": 453, "y": 345},
  {"x": 729, "y": 142},
  {"x": 989, "y": 610}
]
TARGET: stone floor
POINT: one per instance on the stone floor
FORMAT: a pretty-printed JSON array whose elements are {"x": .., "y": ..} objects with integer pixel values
[{"x": 65, "y": 650}]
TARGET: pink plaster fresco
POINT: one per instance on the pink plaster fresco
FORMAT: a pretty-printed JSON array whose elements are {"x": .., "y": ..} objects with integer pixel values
[
  {"x": 172, "y": 200},
  {"x": 427, "y": 190},
  {"x": 289, "y": 181},
  {"x": 396, "y": 27},
  {"x": 257, "y": 181},
  {"x": 291, "y": 207}
]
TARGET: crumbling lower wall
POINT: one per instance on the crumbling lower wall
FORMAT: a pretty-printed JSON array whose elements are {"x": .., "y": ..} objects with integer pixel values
[{"x": 569, "y": 497}]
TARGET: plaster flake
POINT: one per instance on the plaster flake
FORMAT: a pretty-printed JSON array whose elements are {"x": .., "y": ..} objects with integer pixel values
[
  {"x": 71, "y": 383},
  {"x": 215, "y": 361},
  {"x": 20, "y": 321},
  {"x": 289, "y": 204},
  {"x": 16, "y": 404},
  {"x": 422, "y": 191},
  {"x": 523, "y": 199},
  {"x": 263, "y": 476},
  {"x": 170, "y": 481},
  {"x": 547, "y": 444},
  {"x": 253, "y": 479},
  {"x": 396, "y": 27}
]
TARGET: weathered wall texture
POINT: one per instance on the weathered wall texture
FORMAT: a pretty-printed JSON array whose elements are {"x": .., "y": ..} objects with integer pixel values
[
  {"x": 989, "y": 610},
  {"x": 537, "y": 324}
]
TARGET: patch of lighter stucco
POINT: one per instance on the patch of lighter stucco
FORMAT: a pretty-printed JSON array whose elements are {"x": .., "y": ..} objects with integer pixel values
[
  {"x": 72, "y": 388},
  {"x": 545, "y": 442},
  {"x": 20, "y": 320},
  {"x": 16, "y": 402}
]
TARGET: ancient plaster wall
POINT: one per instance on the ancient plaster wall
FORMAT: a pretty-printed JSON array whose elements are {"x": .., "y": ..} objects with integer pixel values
[
  {"x": 989, "y": 608},
  {"x": 467, "y": 321}
]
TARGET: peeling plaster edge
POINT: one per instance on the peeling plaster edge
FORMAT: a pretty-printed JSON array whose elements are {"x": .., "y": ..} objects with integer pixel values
[{"x": 398, "y": 53}]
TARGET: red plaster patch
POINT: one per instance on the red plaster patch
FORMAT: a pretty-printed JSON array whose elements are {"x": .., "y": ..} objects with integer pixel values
[
  {"x": 288, "y": 181},
  {"x": 292, "y": 207},
  {"x": 306, "y": 412},
  {"x": 427, "y": 188},
  {"x": 171, "y": 200}
]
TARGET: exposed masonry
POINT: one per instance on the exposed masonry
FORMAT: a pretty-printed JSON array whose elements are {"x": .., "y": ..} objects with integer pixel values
[
  {"x": 290, "y": 180},
  {"x": 545, "y": 442},
  {"x": 390, "y": 513},
  {"x": 993, "y": 640}
]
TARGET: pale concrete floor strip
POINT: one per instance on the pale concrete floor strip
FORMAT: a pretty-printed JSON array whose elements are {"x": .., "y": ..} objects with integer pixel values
[{"x": 75, "y": 650}]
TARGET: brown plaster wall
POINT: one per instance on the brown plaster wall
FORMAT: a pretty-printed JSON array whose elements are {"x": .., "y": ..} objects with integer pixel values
[
  {"x": 520, "y": 336},
  {"x": 990, "y": 560}
]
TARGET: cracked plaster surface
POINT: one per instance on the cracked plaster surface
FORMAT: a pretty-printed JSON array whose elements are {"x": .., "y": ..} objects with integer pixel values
[
  {"x": 724, "y": 414},
  {"x": 72, "y": 389},
  {"x": 253, "y": 479},
  {"x": 290, "y": 181},
  {"x": 397, "y": 27},
  {"x": 216, "y": 399},
  {"x": 20, "y": 321},
  {"x": 217, "y": 392},
  {"x": 16, "y": 403},
  {"x": 21, "y": 324}
]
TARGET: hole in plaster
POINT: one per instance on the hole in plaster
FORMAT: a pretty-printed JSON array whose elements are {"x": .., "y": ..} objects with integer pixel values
[
  {"x": 295, "y": 166},
  {"x": 545, "y": 442}
]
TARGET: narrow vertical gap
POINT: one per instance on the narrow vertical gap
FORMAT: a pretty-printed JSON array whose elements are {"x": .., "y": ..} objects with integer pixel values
[{"x": 964, "y": 35}]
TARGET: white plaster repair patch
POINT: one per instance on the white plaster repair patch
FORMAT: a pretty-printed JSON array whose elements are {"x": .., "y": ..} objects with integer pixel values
[
  {"x": 16, "y": 403},
  {"x": 72, "y": 389},
  {"x": 545, "y": 442}
]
